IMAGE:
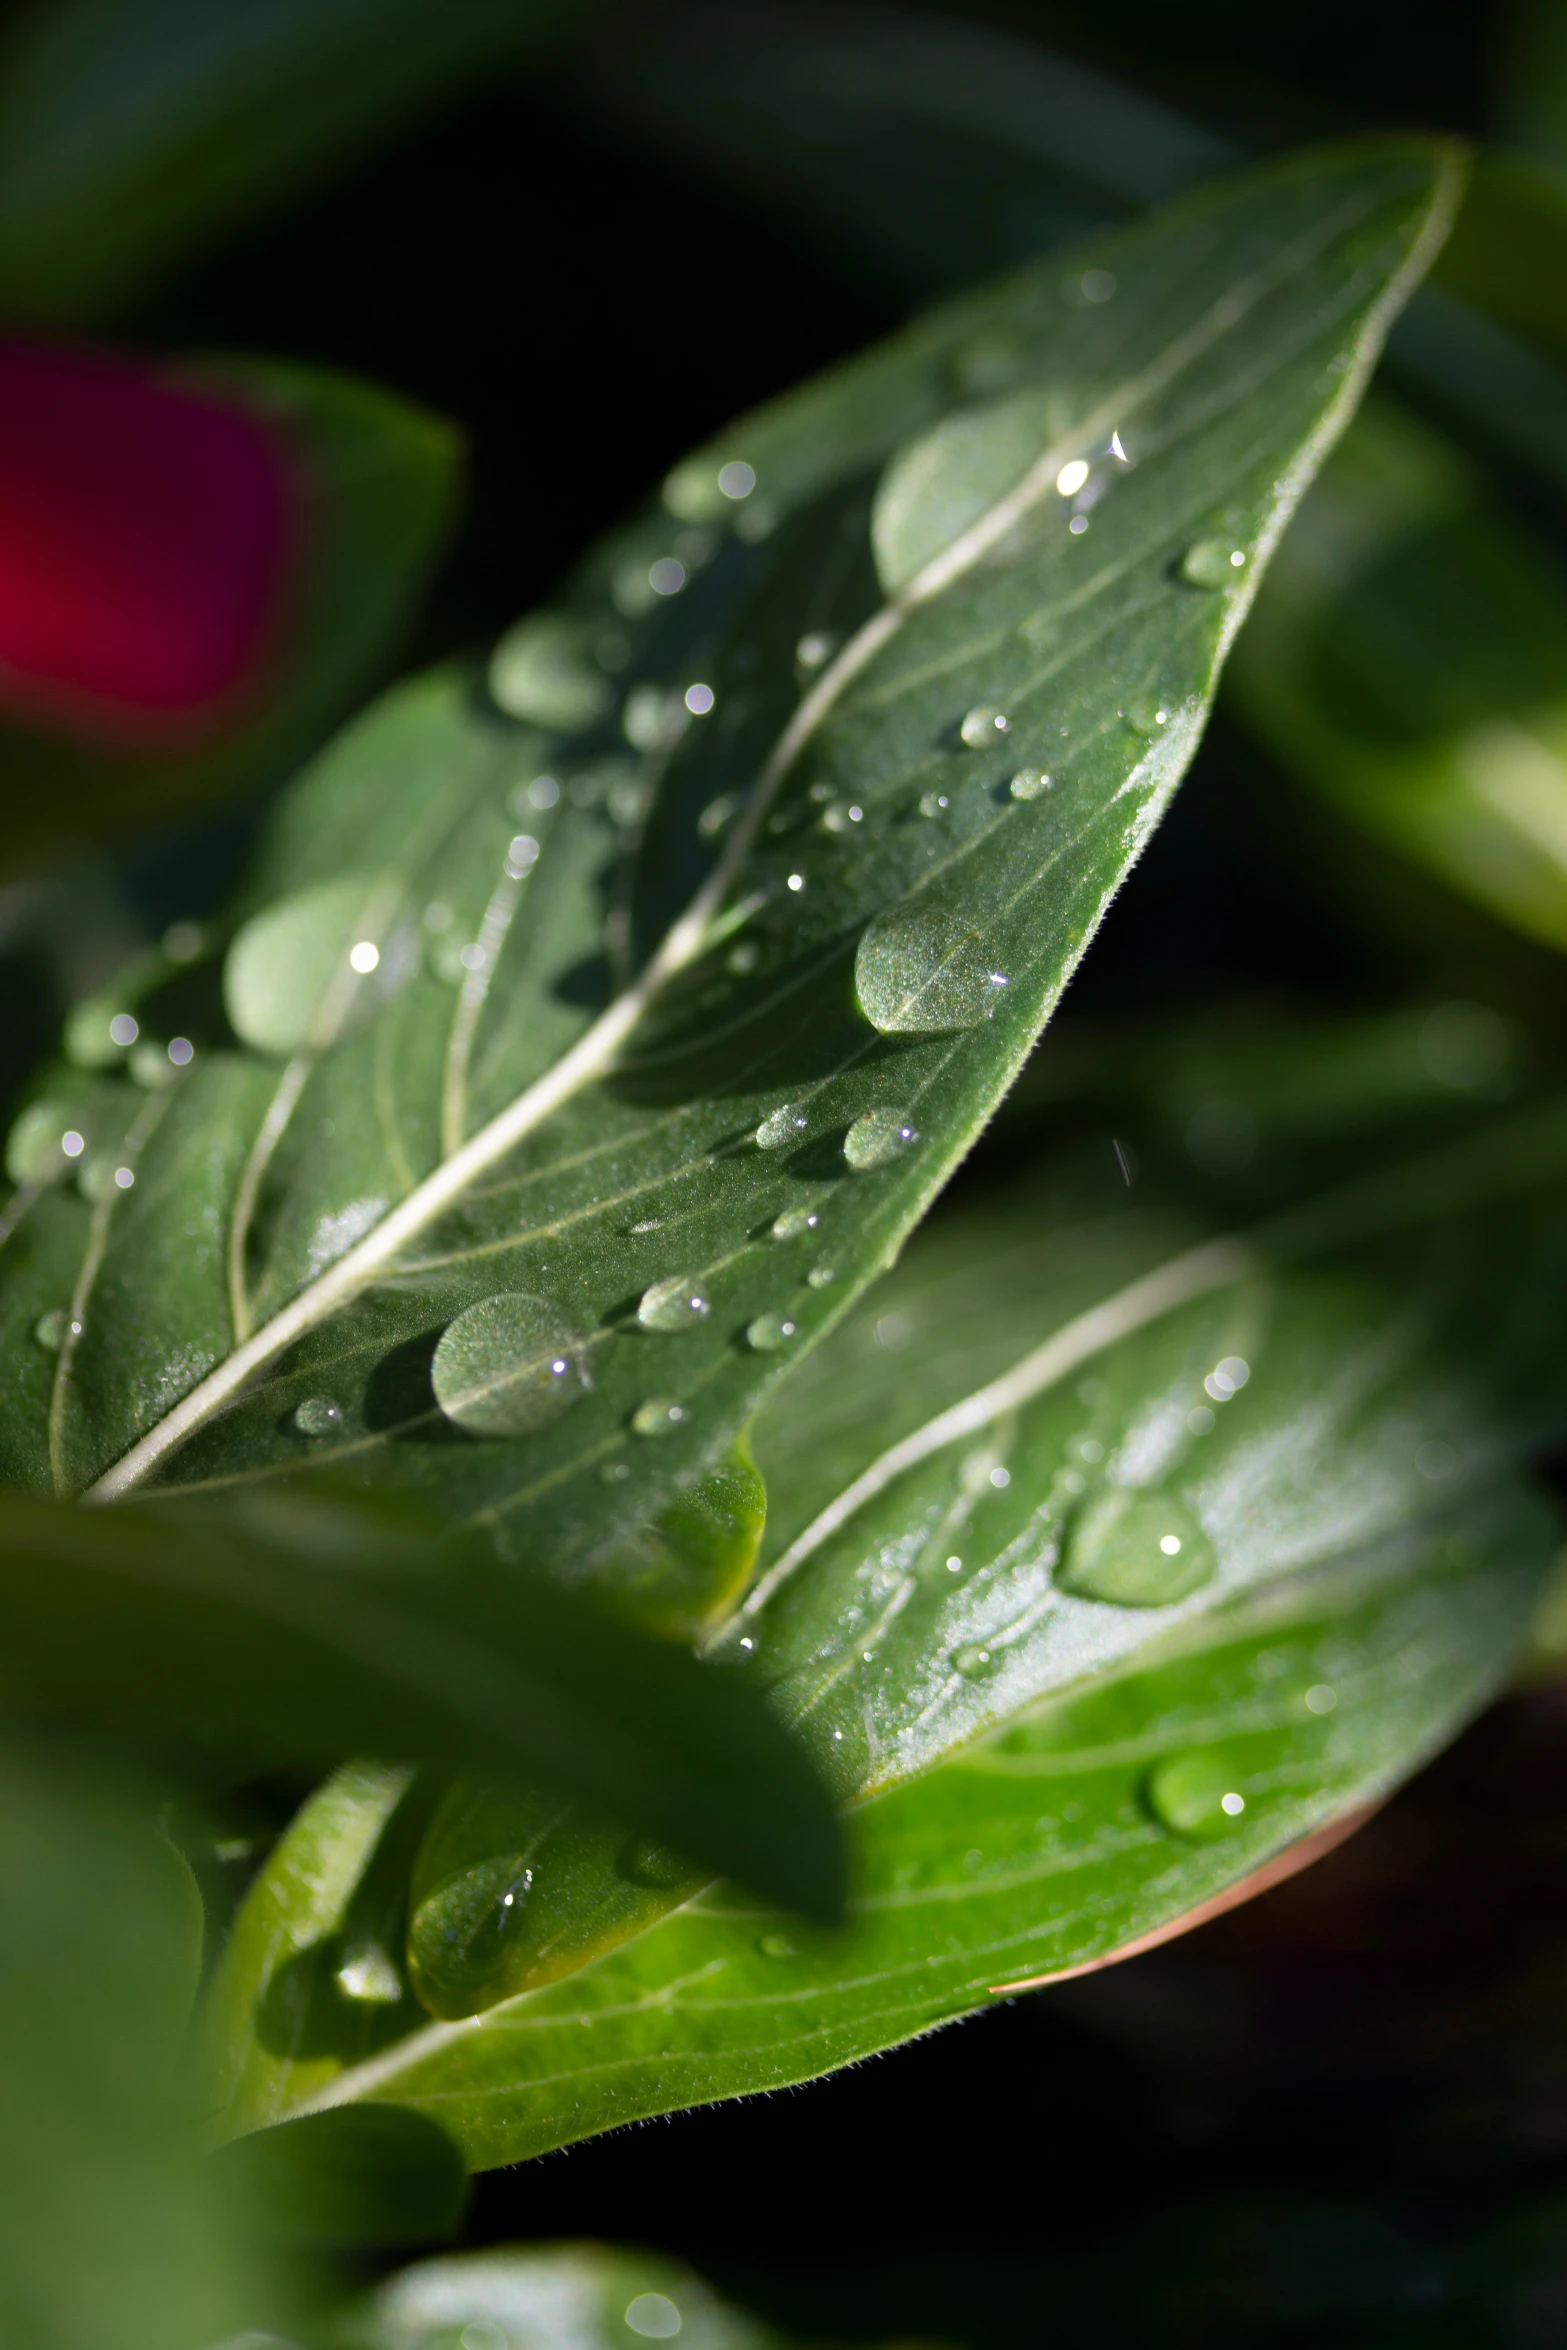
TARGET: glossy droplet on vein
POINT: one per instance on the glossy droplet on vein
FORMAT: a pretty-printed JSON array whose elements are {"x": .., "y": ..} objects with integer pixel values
[{"x": 509, "y": 1366}]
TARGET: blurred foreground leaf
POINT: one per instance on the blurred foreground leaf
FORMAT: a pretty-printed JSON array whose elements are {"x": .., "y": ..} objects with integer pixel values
[{"x": 292, "y": 1628}]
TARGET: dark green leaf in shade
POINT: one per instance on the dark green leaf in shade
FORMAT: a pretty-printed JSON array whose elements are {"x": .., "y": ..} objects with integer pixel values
[
  {"x": 375, "y": 483},
  {"x": 290, "y": 1625},
  {"x": 138, "y": 134},
  {"x": 363, "y": 2175},
  {"x": 635, "y": 1053}
]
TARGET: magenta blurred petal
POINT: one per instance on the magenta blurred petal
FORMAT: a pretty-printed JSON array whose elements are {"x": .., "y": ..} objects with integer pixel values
[{"x": 144, "y": 530}]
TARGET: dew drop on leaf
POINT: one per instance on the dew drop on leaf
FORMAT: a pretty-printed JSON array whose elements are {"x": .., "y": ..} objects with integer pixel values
[
  {"x": 318, "y": 1415},
  {"x": 659, "y": 1416},
  {"x": 42, "y": 1145},
  {"x": 1147, "y": 714},
  {"x": 794, "y": 1223},
  {"x": 1213, "y": 563},
  {"x": 921, "y": 971},
  {"x": 974, "y": 1662},
  {"x": 984, "y": 724},
  {"x": 648, "y": 1863},
  {"x": 288, "y": 968},
  {"x": 776, "y": 1946},
  {"x": 509, "y": 1366},
  {"x": 1029, "y": 783},
  {"x": 769, "y": 1332},
  {"x": 1136, "y": 1549},
  {"x": 49, "y": 1330},
  {"x": 822, "y": 1276},
  {"x": 541, "y": 673},
  {"x": 878, "y": 1138},
  {"x": 782, "y": 1126},
  {"x": 1196, "y": 1795},
  {"x": 673, "y": 1304},
  {"x": 368, "y": 1974}
]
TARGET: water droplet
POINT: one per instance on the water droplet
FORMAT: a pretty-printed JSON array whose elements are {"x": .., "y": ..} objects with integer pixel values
[
  {"x": 932, "y": 803},
  {"x": 49, "y": 1330},
  {"x": 1227, "y": 1378},
  {"x": 542, "y": 673},
  {"x": 1119, "y": 1550},
  {"x": 878, "y": 1138},
  {"x": 1071, "y": 477},
  {"x": 921, "y": 970},
  {"x": 1077, "y": 525},
  {"x": 181, "y": 1051},
  {"x": 647, "y": 1862},
  {"x": 659, "y": 1416},
  {"x": 737, "y": 479},
  {"x": 1196, "y": 1795},
  {"x": 673, "y": 1304},
  {"x": 286, "y": 969},
  {"x": 1201, "y": 1421},
  {"x": 984, "y": 724},
  {"x": 841, "y": 816},
  {"x": 822, "y": 1276},
  {"x": 521, "y": 856},
  {"x": 368, "y": 1974},
  {"x": 1146, "y": 714},
  {"x": 1213, "y": 563},
  {"x": 667, "y": 576},
  {"x": 769, "y": 1332},
  {"x": 776, "y": 1946},
  {"x": 509, "y": 1366},
  {"x": 699, "y": 700},
  {"x": 782, "y": 1126},
  {"x": 1321, "y": 1699},
  {"x": 815, "y": 648},
  {"x": 1029, "y": 783},
  {"x": 716, "y": 815},
  {"x": 614, "y": 1472},
  {"x": 794, "y": 882},
  {"x": 654, "y": 2314},
  {"x": 743, "y": 958},
  {"x": 1098, "y": 285},
  {"x": 184, "y": 941},
  {"x": 975, "y": 1663},
  {"x": 652, "y": 718},
  {"x": 318, "y": 1415},
  {"x": 42, "y": 1144},
  {"x": 794, "y": 1223}
]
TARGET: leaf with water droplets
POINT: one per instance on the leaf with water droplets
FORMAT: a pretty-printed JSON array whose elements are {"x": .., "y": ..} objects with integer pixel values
[
  {"x": 579, "y": 1106},
  {"x": 1055, "y": 1733}
]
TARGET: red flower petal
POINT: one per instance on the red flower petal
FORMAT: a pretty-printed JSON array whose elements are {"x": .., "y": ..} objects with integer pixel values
[{"x": 144, "y": 532}]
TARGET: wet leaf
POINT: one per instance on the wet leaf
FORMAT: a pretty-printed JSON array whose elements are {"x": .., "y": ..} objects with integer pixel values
[
  {"x": 1117, "y": 1561},
  {"x": 511, "y": 1208}
]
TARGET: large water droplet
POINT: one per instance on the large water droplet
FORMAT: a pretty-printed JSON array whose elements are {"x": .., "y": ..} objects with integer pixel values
[
  {"x": 921, "y": 970},
  {"x": 674, "y": 1304},
  {"x": 659, "y": 1416},
  {"x": 1136, "y": 1549},
  {"x": 877, "y": 1139},
  {"x": 288, "y": 969},
  {"x": 769, "y": 1332},
  {"x": 318, "y": 1415},
  {"x": 542, "y": 672},
  {"x": 1213, "y": 563},
  {"x": 784, "y": 1125},
  {"x": 983, "y": 725},
  {"x": 1197, "y": 1795},
  {"x": 1029, "y": 783},
  {"x": 508, "y": 1366}
]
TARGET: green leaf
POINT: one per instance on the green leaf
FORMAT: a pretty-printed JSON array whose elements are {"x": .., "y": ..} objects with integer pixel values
[
  {"x": 138, "y": 134},
  {"x": 289, "y": 1626},
  {"x": 1222, "y": 1544},
  {"x": 1407, "y": 660},
  {"x": 591, "y": 2295},
  {"x": 110, "y": 2236},
  {"x": 376, "y": 484},
  {"x": 600, "y": 1119}
]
